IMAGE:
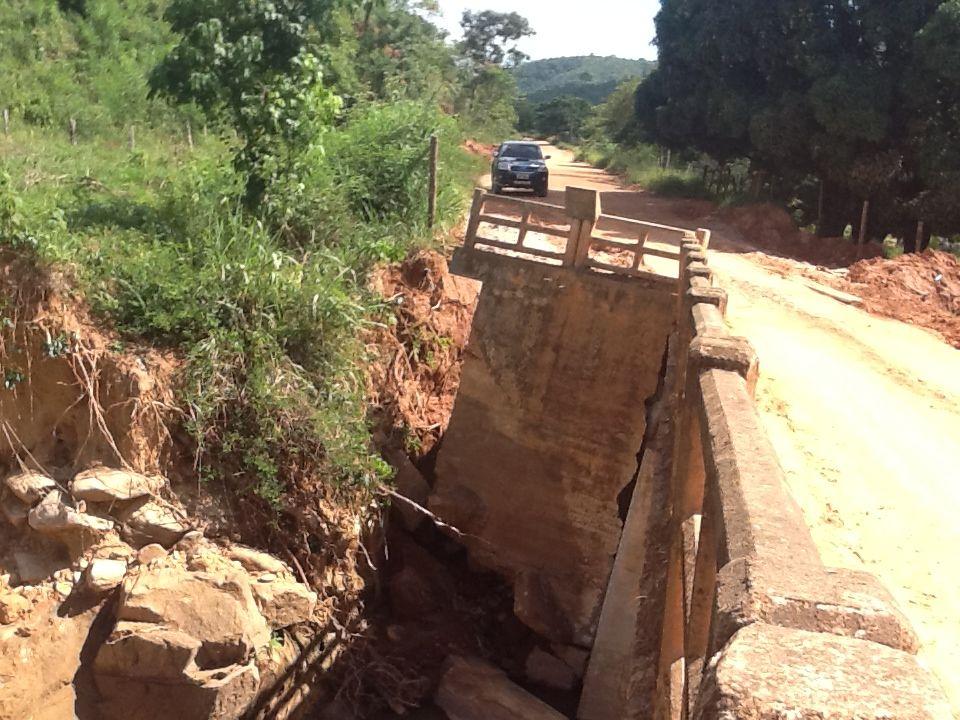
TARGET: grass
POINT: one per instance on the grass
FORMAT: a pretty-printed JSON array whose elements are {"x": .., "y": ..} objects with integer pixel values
[
  {"x": 267, "y": 310},
  {"x": 640, "y": 165}
]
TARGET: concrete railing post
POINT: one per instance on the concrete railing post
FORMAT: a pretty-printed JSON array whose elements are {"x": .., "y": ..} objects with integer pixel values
[
  {"x": 476, "y": 206},
  {"x": 582, "y": 208}
]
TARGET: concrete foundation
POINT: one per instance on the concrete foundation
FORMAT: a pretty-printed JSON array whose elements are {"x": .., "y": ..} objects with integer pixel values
[{"x": 547, "y": 425}]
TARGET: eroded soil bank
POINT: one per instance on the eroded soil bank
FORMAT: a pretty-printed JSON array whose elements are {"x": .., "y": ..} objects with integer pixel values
[{"x": 130, "y": 589}]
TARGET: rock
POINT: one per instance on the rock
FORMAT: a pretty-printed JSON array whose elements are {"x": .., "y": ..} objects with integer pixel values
[
  {"x": 30, "y": 487},
  {"x": 218, "y": 610},
  {"x": 284, "y": 602},
  {"x": 102, "y": 484},
  {"x": 190, "y": 543},
  {"x": 39, "y": 660},
  {"x": 146, "y": 650},
  {"x": 54, "y": 516},
  {"x": 14, "y": 510},
  {"x": 550, "y": 671},
  {"x": 474, "y": 690},
  {"x": 34, "y": 566},
  {"x": 256, "y": 560},
  {"x": 13, "y": 607},
  {"x": 145, "y": 672},
  {"x": 148, "y": 521},
  {"x": 103, "y": 575},
  {"x": 151, "y": 552}
]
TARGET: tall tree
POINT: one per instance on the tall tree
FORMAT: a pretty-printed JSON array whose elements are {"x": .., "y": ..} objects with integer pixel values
[
  {"x": 828, "y": 89},
  {"x": 251, "y": 64},
  {"x": 490, "y": 37}
]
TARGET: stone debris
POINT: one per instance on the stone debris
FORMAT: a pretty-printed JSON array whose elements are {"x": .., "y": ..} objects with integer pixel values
[
  {"x": 472, "y": 689},
  {"x": 102, "y": 484},
  {"x": 550, "y": 671},
  {"x": 30, "y": 487},
  {"x": 54, "y": 516},
  {"x": 152, "y": 520},
  {"x": 103, "y": 575},
  {"x": 191, "y": 623}
]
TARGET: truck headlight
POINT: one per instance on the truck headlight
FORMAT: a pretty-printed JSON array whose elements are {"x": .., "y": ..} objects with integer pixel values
[{"x": 503, "y": 165}]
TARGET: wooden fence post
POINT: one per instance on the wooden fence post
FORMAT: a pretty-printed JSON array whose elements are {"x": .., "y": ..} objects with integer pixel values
[
  {"x": 6, "y": 121},
  {"x": 133, "y": 138},
  {"x": 432, "y": 190},
  {"x": 863, "y": 227},
  {"x": 918, "y": 243},
  {"x": 189, "y": 136},
  {"x": 73, "y": 131}
]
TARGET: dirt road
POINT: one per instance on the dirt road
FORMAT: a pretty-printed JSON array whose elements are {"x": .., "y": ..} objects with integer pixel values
[{"x": 864, "y": 412}]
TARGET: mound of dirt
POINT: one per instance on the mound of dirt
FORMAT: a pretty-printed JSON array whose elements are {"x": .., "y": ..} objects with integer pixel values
[
  {"x": 923, "y": 289},
  {"x": 476, "y": 147},
  {"x": 771, "y": 228},
  {"x": 418, "y": 352}
]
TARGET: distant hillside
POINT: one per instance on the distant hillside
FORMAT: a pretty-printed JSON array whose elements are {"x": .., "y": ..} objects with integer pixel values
[{"x": 591, "y": 77}]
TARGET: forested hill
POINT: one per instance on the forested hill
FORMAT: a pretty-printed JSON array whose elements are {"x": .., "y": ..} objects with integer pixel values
[{"x": 591, "y": 77}]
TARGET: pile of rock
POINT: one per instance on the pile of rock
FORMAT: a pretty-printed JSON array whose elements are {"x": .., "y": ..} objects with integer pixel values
[
  {"x": 193, "y": 620},
  {"x": 98, "y": 501},
  {"x": 190, "y": 625}
]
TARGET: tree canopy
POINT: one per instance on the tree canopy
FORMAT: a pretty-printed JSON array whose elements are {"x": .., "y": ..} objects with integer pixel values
[
  {"x": 861, "y": 94},
  {"x": 490, "y": 37}
]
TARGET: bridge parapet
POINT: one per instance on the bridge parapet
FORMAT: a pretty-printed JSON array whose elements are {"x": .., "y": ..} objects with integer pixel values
[
  {"x": 576, "y": 234},
  {"x": 754, "y": 624}
]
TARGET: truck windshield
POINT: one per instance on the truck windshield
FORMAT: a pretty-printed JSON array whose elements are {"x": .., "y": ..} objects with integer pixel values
[{"x": 522, "y": 152}]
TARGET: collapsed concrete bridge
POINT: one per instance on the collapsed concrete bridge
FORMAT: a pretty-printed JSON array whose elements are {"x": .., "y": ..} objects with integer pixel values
[{"x": 605, "y": 455}]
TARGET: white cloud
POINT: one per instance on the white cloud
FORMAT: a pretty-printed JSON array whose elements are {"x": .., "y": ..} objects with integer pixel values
[{"x": 598, "y": 27}]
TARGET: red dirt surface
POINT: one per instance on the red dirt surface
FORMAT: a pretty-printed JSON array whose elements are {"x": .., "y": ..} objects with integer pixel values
[
  {"x": 416, "y": 373},
  {"x": 772, "y": 229},
  {"x": 478, "y": 148},
  {"x": 923, "y": 289}
]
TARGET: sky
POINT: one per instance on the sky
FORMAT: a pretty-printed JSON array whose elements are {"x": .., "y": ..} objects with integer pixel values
[{"x": 599, "y": 27}]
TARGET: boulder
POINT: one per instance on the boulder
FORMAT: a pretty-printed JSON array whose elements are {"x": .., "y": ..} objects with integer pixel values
[
  {"x": 255, "y": 560},
  {"x": 550, "y": 671},
  {"x": 472, "y": 689},
  {"x": 283, "y": 602},
  {"x": 54, "y": 516},
  {"x": 39, "y": 660},
  {"x": 148, "y": 672},
  {"x": 151, "y": 552},
  {"x": 104, "y": 574},
  {"x": 14, "y": 510},
  {"x": 217, "y": 609},
  {"x": 102, "y": 484},
  {"x": 151, "y": 520},
  {"x": 146, "y": 651},
  {"x": 30, "y": 487}
]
